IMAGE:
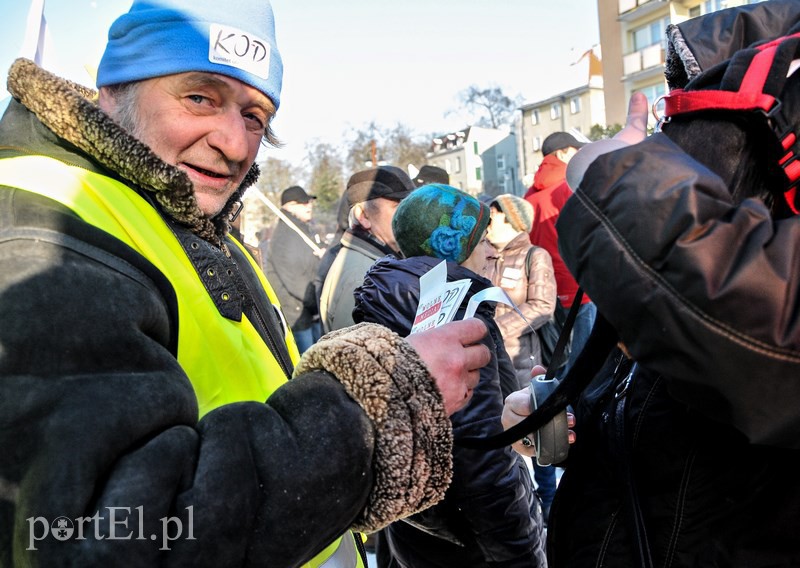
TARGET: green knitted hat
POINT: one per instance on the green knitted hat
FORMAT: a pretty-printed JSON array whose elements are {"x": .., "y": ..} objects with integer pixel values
[{"x": 441, "y": 221}]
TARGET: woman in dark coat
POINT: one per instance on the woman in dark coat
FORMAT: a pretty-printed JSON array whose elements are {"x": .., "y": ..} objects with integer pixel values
[{"x": 490, "y": 515}]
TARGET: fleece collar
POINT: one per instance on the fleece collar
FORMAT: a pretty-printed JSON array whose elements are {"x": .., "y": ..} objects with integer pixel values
[{"x": 71, "y": 112}]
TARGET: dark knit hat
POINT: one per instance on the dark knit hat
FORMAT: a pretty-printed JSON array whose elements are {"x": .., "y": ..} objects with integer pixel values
[
  {"x": 295, "y": 193},
  {"x": 518, "y": 212},
  {"x": 441, "y": 221},
  {"x": 431, "y": 174},
  {"x": 389, "y": 182},
  {"x": 560, "y": 141}
]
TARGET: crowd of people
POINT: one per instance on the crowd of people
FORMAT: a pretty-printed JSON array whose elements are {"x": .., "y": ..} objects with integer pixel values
[{"x": 172, "y": 396}]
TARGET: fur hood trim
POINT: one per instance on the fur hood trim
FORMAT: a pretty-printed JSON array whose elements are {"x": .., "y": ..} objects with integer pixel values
[{"x": 71, "y": 112}]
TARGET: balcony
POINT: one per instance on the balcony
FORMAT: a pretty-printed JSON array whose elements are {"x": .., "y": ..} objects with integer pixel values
[
  {"x": 647, "y": 58},
  {"x": 629, "y": 9}
]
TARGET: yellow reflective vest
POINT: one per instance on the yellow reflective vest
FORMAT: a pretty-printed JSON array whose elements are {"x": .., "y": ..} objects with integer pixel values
[{"x": 233, "y": 349}]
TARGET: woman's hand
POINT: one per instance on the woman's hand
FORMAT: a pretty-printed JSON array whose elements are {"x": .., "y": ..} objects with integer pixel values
[{"x": 517, "y": 407}]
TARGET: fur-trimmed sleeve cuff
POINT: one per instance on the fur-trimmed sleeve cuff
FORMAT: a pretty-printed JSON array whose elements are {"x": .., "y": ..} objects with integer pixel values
[{"x": 413, "y": 453}]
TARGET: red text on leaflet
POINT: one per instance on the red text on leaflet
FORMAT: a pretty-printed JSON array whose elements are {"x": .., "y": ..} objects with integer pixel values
[{"x": 427, "y": 313}]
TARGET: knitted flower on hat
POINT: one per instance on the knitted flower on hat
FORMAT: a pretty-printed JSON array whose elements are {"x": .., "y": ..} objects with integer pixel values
[{"x": 440, "y": 221}]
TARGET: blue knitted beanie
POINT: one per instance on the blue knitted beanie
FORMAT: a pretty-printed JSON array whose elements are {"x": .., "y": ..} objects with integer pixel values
[
  {"x": 441, "y": 221},
  {"x": 163, "y": 37}
]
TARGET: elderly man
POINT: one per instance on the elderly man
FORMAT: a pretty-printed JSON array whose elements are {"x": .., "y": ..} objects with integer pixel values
[
  {"x": 292, "y": 264},
  {"x": 372, "y": 196},
  {"x": 146, "y": 414}
]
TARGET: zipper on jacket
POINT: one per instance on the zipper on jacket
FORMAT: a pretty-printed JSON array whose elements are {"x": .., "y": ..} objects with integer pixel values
[
  {"x": 601, "y": 556},
  {"x": 362, "y": 550},
  {"x": 252, "y": 309},
  {"x": 254, "y": 313}
]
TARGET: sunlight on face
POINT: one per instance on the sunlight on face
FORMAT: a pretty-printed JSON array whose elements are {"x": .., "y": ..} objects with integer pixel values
[
  {"x": 478, "y": 260},
  {"x": 380, "y": 218},
  {"x": 208, "y": 125}
]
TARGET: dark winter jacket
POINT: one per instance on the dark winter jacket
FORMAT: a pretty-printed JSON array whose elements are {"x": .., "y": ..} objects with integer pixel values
[
  {"x": 490, "y": 515},
  {"x": 291, "y": 268},
  {"x": 712, "y": 415},
  {"x": 96, "y": 411},
  {"x": 704, "y": 292}
]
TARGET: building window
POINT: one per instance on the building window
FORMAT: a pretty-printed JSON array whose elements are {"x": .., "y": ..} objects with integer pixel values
[
  {"x": 555, "y": 111},
  {"x": 537, "y": 143},
  {"x": 649, "y": 34},
  {"x": 707, "y": 7},
  {"x": 501, "y": 162},
  {"x": 478, "y": 173},
  {"x": 458, "y": 164},
  {"x": 475, "y": 148},
  {"x": 653, "y": 92},
  {"x": 535, "y": 117},
  {"x": 575, "y": 105}
]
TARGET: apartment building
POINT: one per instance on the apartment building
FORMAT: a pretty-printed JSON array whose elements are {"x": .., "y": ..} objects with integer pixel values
[
  {"x": 575, "y": 110},
  {"x": 633, "y": 36},
  {"x": 479, "y": 160}
]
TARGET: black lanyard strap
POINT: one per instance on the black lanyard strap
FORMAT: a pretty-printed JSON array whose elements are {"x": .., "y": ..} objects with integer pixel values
[{"x": 590, "y": 360}]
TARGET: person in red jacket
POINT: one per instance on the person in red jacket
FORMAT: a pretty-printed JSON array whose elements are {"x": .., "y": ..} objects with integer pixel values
[{"x": 547, "y": 195}]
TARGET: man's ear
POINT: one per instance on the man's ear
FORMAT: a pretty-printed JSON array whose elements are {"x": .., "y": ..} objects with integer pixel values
[
  {"x": 563, "y": 155},
  {"x": 361, "y": 215},
  {"x": 106, "y": 101}
]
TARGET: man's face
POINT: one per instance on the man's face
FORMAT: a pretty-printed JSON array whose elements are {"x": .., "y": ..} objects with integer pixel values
[
  {"x": 380, "y": 219},
  {"x": 208, "y": 125},
  {"x": 302, "y": 211}
]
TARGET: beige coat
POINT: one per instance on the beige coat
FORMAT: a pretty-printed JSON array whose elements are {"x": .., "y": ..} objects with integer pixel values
[
  {"x": 345, "y": 275},
  {"x": 534, "y": 293}
]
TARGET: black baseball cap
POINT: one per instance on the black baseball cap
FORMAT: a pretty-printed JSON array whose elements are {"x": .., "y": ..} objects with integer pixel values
[
  {"x": 389, "y": 182},
  {"x": 295, "y": 193},
  {"x": 560, "y": 141},
  {"x": 431, "y": 174}
]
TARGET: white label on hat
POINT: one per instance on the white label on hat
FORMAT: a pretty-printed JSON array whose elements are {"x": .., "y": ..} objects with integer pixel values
[{"x": 240, "y": 49}]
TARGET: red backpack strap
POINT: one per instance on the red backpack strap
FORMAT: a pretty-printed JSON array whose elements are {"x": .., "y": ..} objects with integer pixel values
[
  {"x": 749, "y": 96},
  {"x": 765, "y": 74}
]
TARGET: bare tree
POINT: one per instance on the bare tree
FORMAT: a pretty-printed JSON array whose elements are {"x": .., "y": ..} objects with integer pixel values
[
  {"x": 398, "y": 146},
  {"x": 360, "y": 148},
  {"x": 276, "y": 175},
  {"x": 490, "y": 107},
  {"x": 326, "y": 179},
  {"x": 404, "y": 147}
]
